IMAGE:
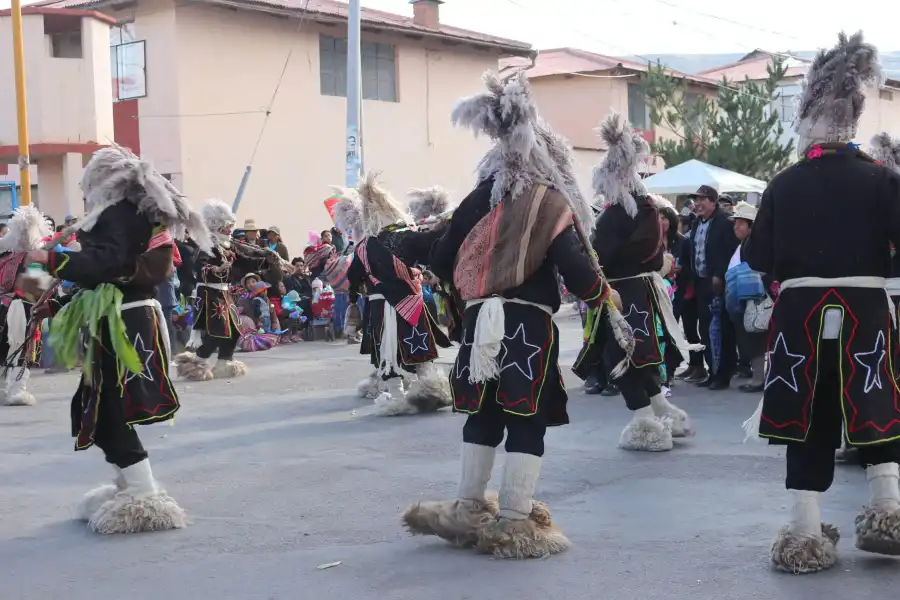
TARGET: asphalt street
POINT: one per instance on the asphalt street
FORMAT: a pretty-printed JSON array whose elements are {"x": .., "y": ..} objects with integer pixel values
[{"x": 287, "y": 470}]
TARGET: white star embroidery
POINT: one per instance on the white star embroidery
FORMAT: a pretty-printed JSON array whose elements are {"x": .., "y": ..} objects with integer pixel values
[
  {"x": 504, "y": 351},
  {"x": 633, "y": 310},
  {"x": 797, "y": 358},
  {"x": 460, "y": 371},
  {"x": 872, "y": 363},
  {"x": 419, "y": 341},
  {"x": 146, "y": 373}
]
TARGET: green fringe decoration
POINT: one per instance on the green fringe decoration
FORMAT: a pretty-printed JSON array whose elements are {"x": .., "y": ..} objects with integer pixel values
[{"x": 86, "y": 311}]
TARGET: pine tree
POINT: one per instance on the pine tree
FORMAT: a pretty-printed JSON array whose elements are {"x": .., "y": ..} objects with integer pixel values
[{"x": 741, "y": 131}]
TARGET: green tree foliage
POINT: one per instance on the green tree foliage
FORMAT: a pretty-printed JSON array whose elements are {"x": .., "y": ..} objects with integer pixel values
[{"x": 739, "y": 131}]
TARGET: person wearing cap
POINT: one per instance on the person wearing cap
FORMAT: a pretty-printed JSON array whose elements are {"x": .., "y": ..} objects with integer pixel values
[
  {"x": 824, "y": 232},
  {"x": 752, "y": 345},
  {"x": 726, "y": 203},
  {"x": 275, "y": 244},
  {"x": 712, "y": 242}
]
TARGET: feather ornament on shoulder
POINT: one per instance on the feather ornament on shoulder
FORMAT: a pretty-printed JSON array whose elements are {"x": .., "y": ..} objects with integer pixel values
[{"x": 617, "y": 178}]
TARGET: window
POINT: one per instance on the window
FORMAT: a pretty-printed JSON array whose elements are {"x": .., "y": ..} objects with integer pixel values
[
  {"x": 66, "y": 45},
  {"x": 637, "y": 107},
  {"x": 379, "y": 69},
  {"x": 785, "y": 104},
  {"x": 128, "y": 64}
]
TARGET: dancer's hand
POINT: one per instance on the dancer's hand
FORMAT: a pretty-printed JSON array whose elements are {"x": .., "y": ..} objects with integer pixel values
[{"x": 37, "y": 256}]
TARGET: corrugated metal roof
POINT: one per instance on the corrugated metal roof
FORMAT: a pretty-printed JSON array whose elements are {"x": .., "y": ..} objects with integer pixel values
[{"x": 339, "y": 10}]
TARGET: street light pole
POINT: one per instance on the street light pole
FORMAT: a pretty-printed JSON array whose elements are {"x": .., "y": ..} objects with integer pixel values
[
  {"x": 21, "y": 110},
  {"x": 354, "y": 154}
]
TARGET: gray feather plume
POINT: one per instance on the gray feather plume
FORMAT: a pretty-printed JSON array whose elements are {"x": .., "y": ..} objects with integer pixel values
[
  {"x": 428, "y": 202},
  {"x": 379, "y": 209},
  {"x": 115, "y": 174},
  {"x": 886, "y": 150},
  {"x": 833, "y": 93},
  {"x": 348, "y": 212},
  {"x": 617, "y": 178},
  {"x": 525, "y": 151}
]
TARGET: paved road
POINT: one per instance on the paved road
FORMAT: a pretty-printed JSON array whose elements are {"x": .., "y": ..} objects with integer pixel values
[{"x": 287, "y": 470}]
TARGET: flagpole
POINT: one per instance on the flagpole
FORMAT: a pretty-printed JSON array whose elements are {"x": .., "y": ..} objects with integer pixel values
[{"x": 21, "y": 110}]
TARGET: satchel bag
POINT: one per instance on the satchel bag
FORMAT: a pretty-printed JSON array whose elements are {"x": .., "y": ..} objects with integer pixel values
[{"x": 757, "y": 314}]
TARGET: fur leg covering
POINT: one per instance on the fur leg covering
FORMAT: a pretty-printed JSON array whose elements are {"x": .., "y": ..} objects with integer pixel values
[
  {"x": 800, "y": 553},
  {"x": 431, "y": 390},
  {"x": 806, "y": 545},
  {"x": 878, "y": 525},
  {"x": 190, "y": 366},
  {"x": 646, "y": 432},
  {"x": 523, "y": 528},
  {"x": 229, "y": 369},
  {"x": 17, "y": 393},
  {"x": 95, "y": 498},
  {"x": 392, "y": 403},
  {"x": 681, "y": 422},
  {"x": 370, "y": 387},
  {"x": 460, "y": 521},
  {"x": 141, "y": 506}
]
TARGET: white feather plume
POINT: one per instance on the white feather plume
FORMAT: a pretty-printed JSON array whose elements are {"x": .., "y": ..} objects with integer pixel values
[
  {"x": 428, "y": 202},
  {"x": 348, "y": 212},
  {"x": 28, "y": 227},
  {"x": 379, "y": 209},
  {"x": 617, "y": 178}
]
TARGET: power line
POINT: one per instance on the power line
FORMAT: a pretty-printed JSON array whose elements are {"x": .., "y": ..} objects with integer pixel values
[{"x": 725, "y": 19}]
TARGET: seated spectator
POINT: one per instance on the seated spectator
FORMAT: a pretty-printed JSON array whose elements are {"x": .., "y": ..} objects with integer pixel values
[{"x": 275, "y": 243}]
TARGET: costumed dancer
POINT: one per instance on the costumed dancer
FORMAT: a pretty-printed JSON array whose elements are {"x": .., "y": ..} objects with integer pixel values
[
  {"x": 629, "y": 243},
  {"x": 401, "y": 334},
  {"x": 830, "y": 373},
  {"x": 507, "y": 375},
  {"x": 216, "y": 327},
  {"x": 127, "y": 249},
  {"x": 20, "y": 288}
]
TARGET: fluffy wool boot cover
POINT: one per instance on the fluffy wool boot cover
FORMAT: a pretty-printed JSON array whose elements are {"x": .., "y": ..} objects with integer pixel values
[
  {"x": 229, "y": 369},
  {"x": 646, "y": 432},
  {"x": 392, "y": 403},
  {"x": 95, "y": 498},
  {"x": 431, "y": 389},
  {"x": 190, "y": 366},
  {"x": 459, "y": 521},
  {"x": 806, "y": 545},
  {"x": 369, "y": 387},
  {"x": 681, "y": 422},
  {"x": 534, "y": 537},
  {"x": 17, "y": 393},
  {"x": 878, "y": 525},
  {"x": 141, "y": 506}
]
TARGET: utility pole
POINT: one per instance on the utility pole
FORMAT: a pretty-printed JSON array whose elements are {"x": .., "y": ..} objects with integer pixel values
[
  {"x": 21, "y": 111},
  {"x": 354, "y": 156}
]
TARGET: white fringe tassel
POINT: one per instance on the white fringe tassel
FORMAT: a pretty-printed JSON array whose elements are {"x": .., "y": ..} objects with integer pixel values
[
  {"x": 388, "y": 348},
  {"x": 489, "y": 330},
  {"x": 16, "y": 325},
  {"x": 751, "y": 425}
]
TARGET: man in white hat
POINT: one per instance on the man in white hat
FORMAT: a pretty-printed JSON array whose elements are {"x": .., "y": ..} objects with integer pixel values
[{"x": 829, "y": 376}]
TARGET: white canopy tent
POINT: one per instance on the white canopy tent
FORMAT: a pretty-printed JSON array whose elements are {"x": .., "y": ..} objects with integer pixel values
[{"x": 687, "y": 177}]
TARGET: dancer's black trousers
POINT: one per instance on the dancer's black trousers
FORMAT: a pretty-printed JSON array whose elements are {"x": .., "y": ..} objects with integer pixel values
[
  {"x": 225, "y": 346},
  {"x": 810, "y": 465},
  {"x": 119, "y": 442},
  {"x": 523, "y": 434},
  {"x": 638, "y": 386}
]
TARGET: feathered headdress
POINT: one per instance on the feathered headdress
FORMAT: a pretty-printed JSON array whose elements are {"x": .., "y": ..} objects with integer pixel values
[
  {"x": 348, "y": 212},
  {"x": 662, "y": 204},
  {"x": 428, "y": 202},
  {"x": 617, "y": 178},
  {"x": 28, "y": 228},
  {"x": 886, "y": 150},
  {"x": 217, "y": 215},
  {"x": 833, "y": 94},
  {"x": 525, "y": 151},
  {"x": 379, "y": 209},
  {"x": 115, "y": 174}
]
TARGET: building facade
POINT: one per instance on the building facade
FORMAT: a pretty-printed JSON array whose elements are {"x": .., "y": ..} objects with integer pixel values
[{"x": 194, "y": 90}]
